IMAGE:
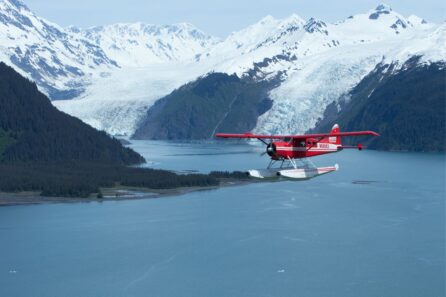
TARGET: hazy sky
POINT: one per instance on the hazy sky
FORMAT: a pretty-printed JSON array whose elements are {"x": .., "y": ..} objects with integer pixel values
[{"x": 217, "y": 17}]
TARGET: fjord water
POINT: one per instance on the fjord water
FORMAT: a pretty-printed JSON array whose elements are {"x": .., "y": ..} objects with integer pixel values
[{"x": 375, "y": 228}]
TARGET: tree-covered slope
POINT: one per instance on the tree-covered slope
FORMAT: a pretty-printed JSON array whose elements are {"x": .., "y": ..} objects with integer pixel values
[
  {"x": 406, "y": 107},
  {"x": 215, "y": 103},
  {"x": 32, "y": 129}
]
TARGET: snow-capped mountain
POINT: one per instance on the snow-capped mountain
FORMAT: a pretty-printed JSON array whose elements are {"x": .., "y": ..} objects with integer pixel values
[
  {"x": 65, "y": 61},
  {"x": 294, "y": 39},
  {"x": 118, "y": 71},
  {"x": 139, "y": 45},
  {"x": 318, "y": 62},
  {"x": 258, "y": 41},
  {"x": 330, "y": 62},
  {"x": 115, "y": 68},
  {"x": 59, "y": 62}
]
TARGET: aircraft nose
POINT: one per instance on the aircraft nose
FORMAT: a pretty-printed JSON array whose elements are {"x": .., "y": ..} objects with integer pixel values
[{"x": 271, "y": 149}]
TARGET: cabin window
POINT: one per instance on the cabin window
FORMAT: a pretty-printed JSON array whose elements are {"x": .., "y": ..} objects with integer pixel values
[{"x": 302, "y": 143}]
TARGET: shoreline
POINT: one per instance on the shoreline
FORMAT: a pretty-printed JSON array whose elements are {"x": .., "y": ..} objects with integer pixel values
[{"x": 113, "y": 194}]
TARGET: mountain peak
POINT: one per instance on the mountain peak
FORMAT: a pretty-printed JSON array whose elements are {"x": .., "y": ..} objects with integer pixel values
[
  {"x": 383, "y": 7},
  {"x": 73, "y": 29},
  {"x": 380, "y": 10},
  {"x": 17, "y": 4},
  {"x": 187, "y": 27},
  {"x": 267, "y": 19},
  {"x": 315, "y": 25},
  {"x": 295, "y": 18},
  {"x": 416, "y": 20}
]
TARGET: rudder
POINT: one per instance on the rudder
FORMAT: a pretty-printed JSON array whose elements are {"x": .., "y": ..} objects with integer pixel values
[{"x": 335, "y": 139}]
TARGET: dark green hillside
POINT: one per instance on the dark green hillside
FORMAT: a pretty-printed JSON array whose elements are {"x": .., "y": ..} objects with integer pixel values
[
  {"x": 44, "y": 150},
  {"x": 32, "y": 129},
  {"x": 406, "y": 107},
  {"x": 6, "y": 139},
  {"x": 215, "y": 103}
]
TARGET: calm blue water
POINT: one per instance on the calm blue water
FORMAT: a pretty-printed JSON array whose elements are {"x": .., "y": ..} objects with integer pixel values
[{"x": 323, "y": 237}]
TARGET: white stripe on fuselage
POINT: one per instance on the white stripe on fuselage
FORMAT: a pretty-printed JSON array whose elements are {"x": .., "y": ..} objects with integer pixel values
[
  {"x": 301, "y": 149},
  {"x": 330, "y": 148}
]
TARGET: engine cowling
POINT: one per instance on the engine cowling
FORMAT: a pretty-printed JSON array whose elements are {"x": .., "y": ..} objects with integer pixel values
[{"x": 271, "y": 149}]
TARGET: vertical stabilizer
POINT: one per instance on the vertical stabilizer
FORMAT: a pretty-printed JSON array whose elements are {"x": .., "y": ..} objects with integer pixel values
[{"x": 335, "y": 139}]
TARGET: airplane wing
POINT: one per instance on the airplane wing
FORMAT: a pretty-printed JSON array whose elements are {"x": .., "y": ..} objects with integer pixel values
[{"x": 319, "y": 135}]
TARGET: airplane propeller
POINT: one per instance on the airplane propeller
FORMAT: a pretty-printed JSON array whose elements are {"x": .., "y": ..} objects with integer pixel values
[{"x": 270, "y": 150}]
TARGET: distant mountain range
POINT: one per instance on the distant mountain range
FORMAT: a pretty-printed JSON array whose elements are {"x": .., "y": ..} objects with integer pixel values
[
  {"x": 140, "y": 45},
  {"x": 114, "y": 74}
]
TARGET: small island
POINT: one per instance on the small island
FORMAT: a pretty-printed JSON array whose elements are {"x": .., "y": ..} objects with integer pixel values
[{"x": 87, "y": 183}]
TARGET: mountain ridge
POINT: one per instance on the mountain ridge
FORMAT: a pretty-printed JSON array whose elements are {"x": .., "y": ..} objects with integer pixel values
[
  {"x": 65, "y": 61},
  {"x": 138, "y": 44}
]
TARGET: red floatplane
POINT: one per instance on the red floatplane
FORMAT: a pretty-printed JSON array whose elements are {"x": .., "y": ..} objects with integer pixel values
[{"x": 289, "y": 153}]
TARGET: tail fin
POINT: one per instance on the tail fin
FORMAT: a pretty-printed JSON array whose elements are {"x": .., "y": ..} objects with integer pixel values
[{"x": 335, "y": 139}]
